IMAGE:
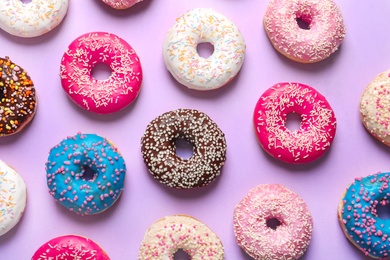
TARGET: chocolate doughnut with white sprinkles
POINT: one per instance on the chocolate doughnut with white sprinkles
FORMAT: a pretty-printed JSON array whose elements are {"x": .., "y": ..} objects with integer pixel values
[
  {"x": 18, "y": 102},
  {"x": 159, "y": 151},
  {"x": 85, "y": 173}
]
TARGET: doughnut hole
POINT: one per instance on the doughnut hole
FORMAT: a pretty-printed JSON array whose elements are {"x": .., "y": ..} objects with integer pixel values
[
  {"x": 273, "y": 223},
  {"x": 303, "y": 20},
  {"x": 2, "y": 94},
  {"x": 293, "y": 121},
  {"x": 383, "y": 209},
  {"x": 205, "y": 49},
  {"x": 183, "y": 148},
  {"x": 181, "y": 255},
  {"x": 101, "y": 71},
  {"x": 87, "y": 173}
]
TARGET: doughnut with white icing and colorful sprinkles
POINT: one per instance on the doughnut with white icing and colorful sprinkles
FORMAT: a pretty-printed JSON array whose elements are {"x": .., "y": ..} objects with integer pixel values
[
  {"x": 33, "y": 18},
  {"x": 180, "y": 49},
  {"x": 375, "y": 107},
  {"x": 13, "y": 197},
  {"x": 273, "y": 222},
  {"x": 121, "y": 4},
  {"x": 358, "y": 214},
  {"x": 70, "y": 247},
  {"x": 171, "y": 233},
  {"x": 85, "y": 173},
  {"x": 317, "y": 127},
  {"x": 18, "y": 101},
  {"x": 101, "y": 96},
  {"x": 159, "y": 151},
  {"x": 321, "y": 33}
]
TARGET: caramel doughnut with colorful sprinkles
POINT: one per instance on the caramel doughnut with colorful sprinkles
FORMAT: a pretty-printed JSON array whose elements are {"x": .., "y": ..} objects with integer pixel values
[
  {"x": 180, "y": 54},
  {"x": 70, "y": 247},
  {"x": 358, "y": 214},
  {"x": 13, "y": 197},
  {"x": 375, "y": 107},
  {"x": 85, "y": 173},
  {"x": 317, "y": 127},
  {"x": 31, "y": 18},
  {"x": 171, "y": 233},
  {"x": 18, "y": 101},
  {"x": 104, "y": 96},
  {"x": 159, "y": 149}
]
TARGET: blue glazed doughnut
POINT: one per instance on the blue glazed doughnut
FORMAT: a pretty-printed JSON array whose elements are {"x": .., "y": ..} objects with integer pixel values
[
  {"x": 85, "y": 173},
  {"x": 358, "y": 215}
]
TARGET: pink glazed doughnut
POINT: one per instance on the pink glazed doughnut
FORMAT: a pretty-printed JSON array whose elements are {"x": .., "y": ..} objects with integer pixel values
[
  {"x": 121, "y": 4},
  {"x": 70, "y": 247},
  {"x": 101, "y": 96},
  {"x": 324, "y": 33},
  {"x": 273, "y": 222},
  {"x": 317, "y": 129}
]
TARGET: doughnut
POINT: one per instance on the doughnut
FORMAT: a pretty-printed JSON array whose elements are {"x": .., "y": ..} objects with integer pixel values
[
  {"x": 101, "y": 96},
  {"x": 70, "y": 247},
  {"x": 159, "y": 151},
  {"x": 85, "y": 173},
  {"x": 324, "y": 33},
  {"x": 121, "y": 4},
  {"x": 272, "y": 222},
  {"x": 374, "y": 107},
  {"x": 31, "y": 19},
  {"x": 18, "y": 101},
  {"x": 182, "y": 59},
  {"x": 13, "y": 197},
  {"x": 317, "y": 128},
  {"x": 171, "y": 233},
  {"x": 358, "y": 217}
]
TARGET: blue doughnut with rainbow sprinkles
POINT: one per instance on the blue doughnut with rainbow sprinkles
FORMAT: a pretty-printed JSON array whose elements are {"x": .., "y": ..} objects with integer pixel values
[
  {"x": 85, "y": 173},
  {"x": 358, "y": 214}
]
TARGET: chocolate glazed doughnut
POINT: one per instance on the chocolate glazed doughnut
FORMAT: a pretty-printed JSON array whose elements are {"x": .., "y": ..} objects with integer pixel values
[{"x": 159, "y": 151}]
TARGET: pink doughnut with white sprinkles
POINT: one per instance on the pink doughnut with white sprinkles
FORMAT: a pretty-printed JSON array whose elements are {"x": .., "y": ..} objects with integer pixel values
[
  {"x": 101, "y": 96},
  {"x": 273, "y": 222},
  {"x": 172, "y": 233},
  {"x": 121, "y": 4},
  {"x": 180, "y": 49},
  {"x": 317, "y": 128},
  {"x": 32, "y": 18},
  {"x": 70, "y": 247},
  {"x": 324, "y": 33}
]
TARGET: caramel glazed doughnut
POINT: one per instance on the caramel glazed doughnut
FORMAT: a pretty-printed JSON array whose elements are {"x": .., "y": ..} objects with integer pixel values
[
  {"x": 159, "y": 151},
  {"x": 171, "y": 233},
  {"x": 18, "y": 102}
]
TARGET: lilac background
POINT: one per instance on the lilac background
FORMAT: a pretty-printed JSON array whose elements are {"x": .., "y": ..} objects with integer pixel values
[{"x": 120, "y": 230}]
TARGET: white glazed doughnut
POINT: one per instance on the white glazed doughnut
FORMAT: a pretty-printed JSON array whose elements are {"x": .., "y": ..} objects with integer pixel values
[
  {"x": 31, "y": 19},
  {"x": 182, "y": 59},
  {"x": 13, "y": 197},
  {"x": 171, "y": 233}
]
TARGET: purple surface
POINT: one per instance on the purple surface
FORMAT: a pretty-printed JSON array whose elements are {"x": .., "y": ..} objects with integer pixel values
[{"x": 120, "y": 230}]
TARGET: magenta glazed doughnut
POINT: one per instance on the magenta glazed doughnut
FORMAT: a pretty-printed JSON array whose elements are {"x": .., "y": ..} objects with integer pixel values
[
  {"x": 101, "y": 96},
  {"x": 317, "y": 129},
  {"x": 323, "y": 36},
  {"x": 288, "y": 237},
  {"x": 70, "y": 247}
]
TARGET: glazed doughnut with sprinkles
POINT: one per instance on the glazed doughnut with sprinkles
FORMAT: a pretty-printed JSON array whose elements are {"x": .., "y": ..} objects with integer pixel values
[{"x": 18, "y": 101}]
